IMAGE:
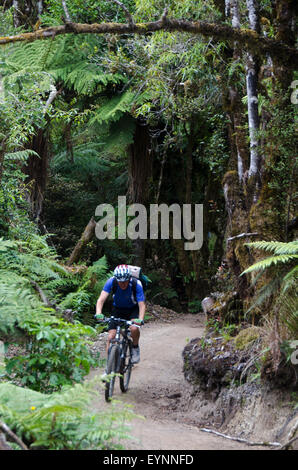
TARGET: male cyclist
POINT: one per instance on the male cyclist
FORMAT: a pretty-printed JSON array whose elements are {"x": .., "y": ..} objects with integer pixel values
[{"x": 128, "y": 303}]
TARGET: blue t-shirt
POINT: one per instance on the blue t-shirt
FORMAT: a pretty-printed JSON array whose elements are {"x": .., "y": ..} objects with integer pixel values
[{"x": 125, "y": 298}]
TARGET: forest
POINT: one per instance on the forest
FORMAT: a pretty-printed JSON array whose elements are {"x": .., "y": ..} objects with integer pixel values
[{"x": 165, "y": 102}]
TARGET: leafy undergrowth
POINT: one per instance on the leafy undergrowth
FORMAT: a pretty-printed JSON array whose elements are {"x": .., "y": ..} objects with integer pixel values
[{"x": 63, "y": 420}]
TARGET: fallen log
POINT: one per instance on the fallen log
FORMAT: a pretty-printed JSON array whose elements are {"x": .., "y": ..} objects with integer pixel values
[
  {"x": 67, "y": 314},
  {"x": 86, "y": 237}
]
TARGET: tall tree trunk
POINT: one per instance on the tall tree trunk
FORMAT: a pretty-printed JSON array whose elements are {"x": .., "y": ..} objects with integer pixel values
[
  {"x": 140, "y": 170},
  {"x": 235, "y": 177}
]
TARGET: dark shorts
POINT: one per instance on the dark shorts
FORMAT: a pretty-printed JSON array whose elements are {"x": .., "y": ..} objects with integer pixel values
[{"x": 125, "y": 313}]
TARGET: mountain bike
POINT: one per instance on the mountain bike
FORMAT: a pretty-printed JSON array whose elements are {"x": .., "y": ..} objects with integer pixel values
[{"x": 119, "y": 360}]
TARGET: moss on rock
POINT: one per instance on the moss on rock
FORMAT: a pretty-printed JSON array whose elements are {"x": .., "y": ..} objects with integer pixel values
[{"x": 246, "y": 337}]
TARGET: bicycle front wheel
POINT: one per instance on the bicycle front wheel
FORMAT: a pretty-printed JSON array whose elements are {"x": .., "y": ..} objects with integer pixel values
[
  {"x": 125, "y": 367},
  {"x": 112, "y": 364}
]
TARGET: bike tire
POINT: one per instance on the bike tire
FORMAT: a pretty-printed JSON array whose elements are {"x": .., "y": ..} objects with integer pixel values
[
  {"x": 125, "y": 368},
  {"x": 112, "y": 364}
]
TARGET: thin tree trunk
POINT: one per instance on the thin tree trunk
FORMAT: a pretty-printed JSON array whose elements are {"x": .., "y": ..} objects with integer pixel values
[
  {"x": 252, "y": 68},
  {"x": 237, "y": 116},
  {"x": 164, "y": 157},
  {"x": 68, "y": 141},
  {"x": 16, "y": 19},
  {"x": 39, "y": 7}
]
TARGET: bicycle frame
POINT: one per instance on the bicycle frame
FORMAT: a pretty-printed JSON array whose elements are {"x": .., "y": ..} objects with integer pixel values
[
  {"x": 124, "y": 332},
  {"x": 119, "y": 352}
]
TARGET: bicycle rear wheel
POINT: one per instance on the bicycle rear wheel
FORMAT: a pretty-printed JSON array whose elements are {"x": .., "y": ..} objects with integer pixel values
[
  {"x": 112, "y": 364},
  {"x": 125, "y": 367}
]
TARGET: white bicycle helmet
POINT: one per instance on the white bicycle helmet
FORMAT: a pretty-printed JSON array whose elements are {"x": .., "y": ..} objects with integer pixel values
[{"x": 121, "y": 273}]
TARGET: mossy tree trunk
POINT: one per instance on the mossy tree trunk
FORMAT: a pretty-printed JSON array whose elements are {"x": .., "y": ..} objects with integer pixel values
[{"x": 255, "y": 197}]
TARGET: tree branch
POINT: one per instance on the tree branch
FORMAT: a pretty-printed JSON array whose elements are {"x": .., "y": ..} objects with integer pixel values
[
  {"x": 239, "y": 439},
  {"x": 242, "y": 235},
  {"x": 42, "y": 295},
  {"x": 126, "y": 12},
  {"x": 164, "y": 16},
  {"x": 12, "y": 435},
  {"x": 247, "y": 38}
]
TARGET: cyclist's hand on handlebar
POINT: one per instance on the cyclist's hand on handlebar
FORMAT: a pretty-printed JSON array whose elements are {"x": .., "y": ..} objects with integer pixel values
[
  {"x": 99, "y": 316},
  {"x": 138, "y": 321}
]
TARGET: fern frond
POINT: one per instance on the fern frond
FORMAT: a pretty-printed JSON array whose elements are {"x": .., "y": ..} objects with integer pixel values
[
  {"x": 279, "y": 248},
  {"x": 265, "y": 293},
  {"x": 114, "y": 108},
  {"x": 290, "y": 279},
  {"x": 271, "y": 261},
  {"x": 85, "y": 78},
  {"x": 21, "y": 155},
  {"x": 6, "y": 244}
]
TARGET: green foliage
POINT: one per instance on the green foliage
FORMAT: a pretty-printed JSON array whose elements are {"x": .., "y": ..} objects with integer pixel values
[
  {"x": 283, "y": 280},
  {"x": 57, "y": 356},
  {"x": 56, "y": 351},
  {"x": 85, "y": 11},
  {"x": 83, "y": 300},
  {"x": 194, "y": 306},
  {"x": 64, "y": 420},
  {"x": 114, "y": 108}
]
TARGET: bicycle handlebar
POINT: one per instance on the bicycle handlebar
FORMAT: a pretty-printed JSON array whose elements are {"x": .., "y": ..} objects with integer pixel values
[{"x": 119, "y": 320}]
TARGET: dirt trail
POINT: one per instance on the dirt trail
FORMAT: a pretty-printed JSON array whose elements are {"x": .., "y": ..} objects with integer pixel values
[{"x": 156, "y": 391}]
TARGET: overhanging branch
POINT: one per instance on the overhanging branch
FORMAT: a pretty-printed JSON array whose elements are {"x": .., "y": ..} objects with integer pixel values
[{"x": 247, "y": 38}]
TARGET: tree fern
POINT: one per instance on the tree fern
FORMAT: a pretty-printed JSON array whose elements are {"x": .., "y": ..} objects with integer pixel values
[
  {"x": 85, "y": 79},
  {"x": 65, "y": 59},
  {"x": 283, "y": 284}
]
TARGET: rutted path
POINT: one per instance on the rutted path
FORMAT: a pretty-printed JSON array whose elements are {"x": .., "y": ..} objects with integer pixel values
[{"x": 156, "y": 391}]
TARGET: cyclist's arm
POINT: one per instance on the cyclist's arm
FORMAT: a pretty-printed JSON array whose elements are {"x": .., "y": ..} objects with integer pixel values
[
  {"x": 101, "y": 300},
  {"x": 142, "y": 309}
]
